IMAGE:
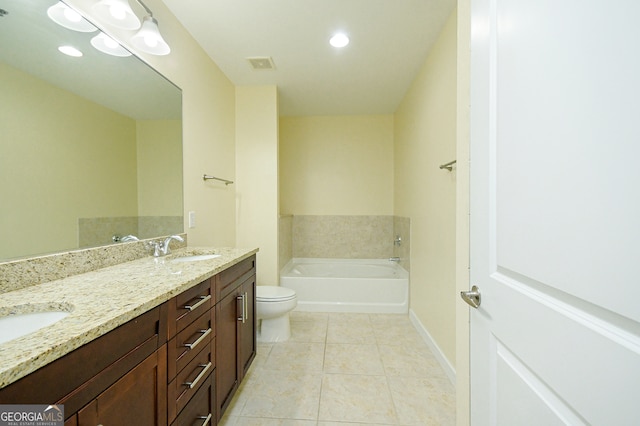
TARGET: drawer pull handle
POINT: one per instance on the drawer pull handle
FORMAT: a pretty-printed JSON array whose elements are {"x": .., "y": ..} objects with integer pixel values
[
  {"x": 240, "y": 300},
  {"x": 206, "y": 419},
  {"x": 205, "y": 333},
  {"x": 203, "y": 299},
  {"x": 245, "y": 308},
  {"x": 205, "y": 368}
]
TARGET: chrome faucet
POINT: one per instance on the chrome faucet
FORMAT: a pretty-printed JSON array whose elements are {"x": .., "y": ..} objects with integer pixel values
[
  {"x": 394, "y": 259},
  {"x": 162, "y": 248},
  {"x": 119, "y": 239}
]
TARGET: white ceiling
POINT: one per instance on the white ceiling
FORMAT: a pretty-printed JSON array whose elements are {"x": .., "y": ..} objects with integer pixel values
[{"x": 390, "y": 40}]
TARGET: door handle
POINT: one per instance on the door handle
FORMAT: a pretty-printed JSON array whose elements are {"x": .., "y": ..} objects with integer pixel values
[{"x": 472, "y": 297}]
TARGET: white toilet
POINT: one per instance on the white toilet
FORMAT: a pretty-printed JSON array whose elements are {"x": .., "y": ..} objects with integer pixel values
[{"x": 273, "y": 305}]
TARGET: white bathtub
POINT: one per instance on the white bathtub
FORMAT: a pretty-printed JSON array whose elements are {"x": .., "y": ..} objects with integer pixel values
[{"x": 348, "y": 285}]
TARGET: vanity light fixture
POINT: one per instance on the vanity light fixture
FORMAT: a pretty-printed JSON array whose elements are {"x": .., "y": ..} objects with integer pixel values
[
  {"x": 339, "y": 40},
  {"x": 63, "y": 15},
  {"x": 107, "y": 45},
  {"x": 117, "y": 13},
  {"x": 148, "y": 39}
]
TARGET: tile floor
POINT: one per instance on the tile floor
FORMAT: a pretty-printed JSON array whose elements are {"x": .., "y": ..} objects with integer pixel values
[{"x": 343, "y": 369}]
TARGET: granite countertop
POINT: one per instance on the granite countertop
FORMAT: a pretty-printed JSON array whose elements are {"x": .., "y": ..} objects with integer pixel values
[{"x": 98, "y": 302}]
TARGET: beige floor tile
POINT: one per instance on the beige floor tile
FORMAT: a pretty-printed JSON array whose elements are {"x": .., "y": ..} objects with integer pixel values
[
  {"x": 296, "y": 356},
  {"x": 356, "y": 398},
  {"x": 410, "y": 360},
  {"x": 423, "y": 400},
  {"x": 319, "y": 317},
  {"x": 396, "y": 333},
  {"x": 348, "y": 424},
  {"x": 254, "y": 421},
  {"x": 345, "y": 332},
  {"x": 344, "y": 369},
  {"x": 283, "y": 395},
  {"x": 228, "y": 420},
  {"x": 390, "y": 319},
  {"x": 262, "y": 353},
  {"x": 309, "y": 331},
  {"x": 352, "y": 359},
  {"x": 353, "y": 319}
]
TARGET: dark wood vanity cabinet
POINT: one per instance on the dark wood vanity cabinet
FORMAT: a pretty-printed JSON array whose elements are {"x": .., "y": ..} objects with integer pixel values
[
  {"x": 117, "y": 375},
  {"x": 138, "y": 398},
  {"x": 178, "y": 364},
  {"x": 191, "y": 349},
  {"x": 236, "y": 326}
]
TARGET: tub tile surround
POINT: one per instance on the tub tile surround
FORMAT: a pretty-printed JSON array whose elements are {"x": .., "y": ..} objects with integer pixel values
[
  {"x": 285, "y": 240},
  {"x": 94, "y": 231},
  {"x": 389, "y": 377},
  {"x": 20, "y": 273},
  {"x": 344, "y": 237},
  {"x": 402, "y": 228},
  {"x": 100, "y": 300}
]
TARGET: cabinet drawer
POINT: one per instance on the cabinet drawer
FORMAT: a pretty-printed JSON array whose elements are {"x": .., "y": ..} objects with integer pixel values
[
  {"x": 189, "y": 305},
  {"x": 228, "y": 280},
  {"x": 187, "y": 343},
  {"x": 201, "y": 409},
  {"x": 190, "y": 379}
]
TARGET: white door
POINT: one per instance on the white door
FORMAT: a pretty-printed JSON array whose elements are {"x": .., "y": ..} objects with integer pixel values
[{"x": 555, "y": 212}]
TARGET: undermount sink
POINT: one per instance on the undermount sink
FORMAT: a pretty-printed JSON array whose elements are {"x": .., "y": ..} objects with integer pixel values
[
  {"x": 196, "y": 257},
  {"x": 13, "y": 326}
]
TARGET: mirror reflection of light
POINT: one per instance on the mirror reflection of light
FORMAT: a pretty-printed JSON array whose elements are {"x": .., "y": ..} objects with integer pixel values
[
  {"x": 106, "y": 44},
  {"x": 70, "y": 51},
  {"x": 111, "y": 43},
  {"x": 72, "y": 15},
  {"x": 118, "y": 12},
  {"x": 63, "y": 15}
]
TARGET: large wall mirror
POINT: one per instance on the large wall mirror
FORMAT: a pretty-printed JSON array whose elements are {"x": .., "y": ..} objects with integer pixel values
[{"x": 90, "y": 146}]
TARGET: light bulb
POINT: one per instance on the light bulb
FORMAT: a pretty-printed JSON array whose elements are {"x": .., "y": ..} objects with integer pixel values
[
  {"x": 339, "y": 40},
  {"x": 118, "y": 12},
  {"x": 72, "y": 15}
]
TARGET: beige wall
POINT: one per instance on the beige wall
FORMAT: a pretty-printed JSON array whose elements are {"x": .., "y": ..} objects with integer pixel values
[
  {"x": 159, "y": 143},
  {"x": 208, "y": 101},
  {"x": 336, "y": 165},
  {"x": 257, "y": 177},
  {"x": 425, "y": 137},
  {"x": 82, "y": 163},
  {"x": 462, "y": 213}
]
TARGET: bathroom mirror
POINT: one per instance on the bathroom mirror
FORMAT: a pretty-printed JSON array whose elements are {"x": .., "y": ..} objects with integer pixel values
[{"x": 90, "y": 146}]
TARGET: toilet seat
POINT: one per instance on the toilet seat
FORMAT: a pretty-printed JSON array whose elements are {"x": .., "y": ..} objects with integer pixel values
[{"x": 269, "y": 293}]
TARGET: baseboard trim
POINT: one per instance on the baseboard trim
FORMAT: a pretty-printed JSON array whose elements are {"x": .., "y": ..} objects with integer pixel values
[{"x": 442, "y": 360}]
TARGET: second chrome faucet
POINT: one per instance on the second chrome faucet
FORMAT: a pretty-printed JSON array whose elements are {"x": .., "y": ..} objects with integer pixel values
[{"x": 161, "y": 248}]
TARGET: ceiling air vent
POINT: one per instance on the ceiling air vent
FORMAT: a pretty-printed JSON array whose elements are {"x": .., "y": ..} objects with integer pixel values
[{"x": 265, "y": 63}]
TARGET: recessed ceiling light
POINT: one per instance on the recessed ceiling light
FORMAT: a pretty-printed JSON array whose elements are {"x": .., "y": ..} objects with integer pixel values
[
  {"x": 339, "y": 40},
  {"x": 70, "y": 50}
]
